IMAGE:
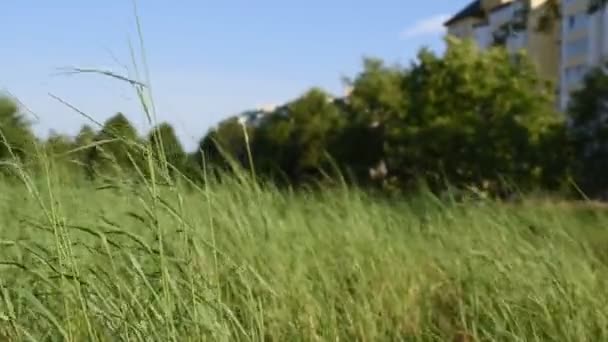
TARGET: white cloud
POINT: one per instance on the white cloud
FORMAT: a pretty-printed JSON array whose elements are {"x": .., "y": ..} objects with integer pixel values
[{"x": 426, "y": 27}]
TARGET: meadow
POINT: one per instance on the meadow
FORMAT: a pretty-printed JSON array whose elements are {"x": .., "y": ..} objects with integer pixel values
[
  {"x": 167, "y": 252},
  {"x": 234, "y": 260}
]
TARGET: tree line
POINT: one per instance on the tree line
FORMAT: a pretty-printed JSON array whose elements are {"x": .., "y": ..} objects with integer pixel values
[{"x": 463, "y": 119}]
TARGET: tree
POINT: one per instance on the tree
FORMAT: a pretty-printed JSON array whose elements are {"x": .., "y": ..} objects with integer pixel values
[
  {"x": 58, "y": 152},
  {"x": 57, "y": 143},
  {"x": 273, "y": 151},
  {"x": 117, "y": 147},
  {"x": 82, "y": 148},
  {"x": 296, "y": 138},
  {"x": 166, "y": 146},
  {"x": 224, "y": 145},
  {"x": 16, "y": 137},
  {"x": 473, "y": 118},
  {"x": 57, "y": 146},
  {"x": 85, "y": 136},
  {"x": 588, "y": 115},
  {"x": 377, "y": 95}
]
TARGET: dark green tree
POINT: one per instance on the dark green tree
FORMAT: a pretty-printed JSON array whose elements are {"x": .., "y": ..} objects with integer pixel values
[
  {"x": 273, "y": 152},
  {"x": 60, "y": 155},
  {"x": 473, "y": 119},
  {"x": 117, "y": 147},
  {"x": 85, "y": 136},
  {"x": 83, "y": 147},
  {"x": 166, "y": 147},
  {"x": 377, "y": 95},
  {"x": 225, "y": 146},
  {"x": 296, "y": 139},
  {"x": 16, "y": 137},
  {"x": 58, "y": 144},
  {"x": 588, "y": 115}
]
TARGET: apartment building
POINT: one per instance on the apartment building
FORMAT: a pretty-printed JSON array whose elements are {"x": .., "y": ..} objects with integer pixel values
[
  {"x": 585, "y": 44},
  {"x": 513, "y": 24},
  {"x": 575, "y": 44}
]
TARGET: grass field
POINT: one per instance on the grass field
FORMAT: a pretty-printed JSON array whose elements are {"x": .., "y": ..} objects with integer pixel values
[{"x": 238, "y": 262}]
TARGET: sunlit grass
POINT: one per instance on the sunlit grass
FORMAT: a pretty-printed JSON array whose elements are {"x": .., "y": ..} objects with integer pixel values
[{"x": 232, "y": 261}]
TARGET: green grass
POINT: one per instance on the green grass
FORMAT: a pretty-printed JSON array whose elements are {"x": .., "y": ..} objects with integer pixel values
[{"x": 237, "y": 262}]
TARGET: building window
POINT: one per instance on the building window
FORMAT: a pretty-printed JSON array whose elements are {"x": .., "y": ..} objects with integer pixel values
[
  {"x": 575, "y": 74},
  {"x": 577, "y": 21},
  {"x": 571, "y": 21},
  {"x": 577, "y": 47}
]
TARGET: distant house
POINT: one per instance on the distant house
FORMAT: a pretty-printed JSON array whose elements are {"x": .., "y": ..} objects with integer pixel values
[
  {"x": 513, "y": 24},
  {"x": 584, "y": 43},
  {"x": 255, "y": 117},
  {"x": 564, "y": 53}
]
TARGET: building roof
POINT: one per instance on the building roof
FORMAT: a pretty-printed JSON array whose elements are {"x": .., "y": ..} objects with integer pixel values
[
  {"x": 471, "y": 10},
  {"x": 501, "y": 6}
]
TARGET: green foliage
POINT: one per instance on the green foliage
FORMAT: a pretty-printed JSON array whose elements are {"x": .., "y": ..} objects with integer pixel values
[
  {"x": 296, "y": 138},
  {"x": 377, "y": 92},
  {"x": 556, "y": 155},
  {"x": 118, "y": 127},
  {"x": 82, "y": 146},
  {"x": 62, "y": 153},
  {"x": 85, "y": 136},
  {"x": 377, "y": 96},
  {"x": 166, "y": 147},
  {"x": 117, "y": 147},
  {"x": 588, "y": 114},
  {"x": 57, "y": 144},
  {"x": 16, "y": 138},
  {"x": 224, "y": 145},
  {"x": 473, "y": 119},
  {"x": 466, "y": 118}
]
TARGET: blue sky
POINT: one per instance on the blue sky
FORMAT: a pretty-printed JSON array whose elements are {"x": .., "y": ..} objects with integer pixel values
[{"x": 207, "y": 59}]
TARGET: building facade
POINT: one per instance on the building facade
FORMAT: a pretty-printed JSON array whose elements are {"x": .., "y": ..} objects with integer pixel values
[
  {"x": 513, "y": 24},
  {"x": 585, "y": 43}
]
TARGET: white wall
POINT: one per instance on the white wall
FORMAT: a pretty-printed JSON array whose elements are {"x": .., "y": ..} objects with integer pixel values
[
  {"x": 596, "y": 26},
  {"x": 483, "y": 36},
  {"x": 598, "y": 37},
  {"x": 580, "y": 34},
  {"x": 517, "y": 42},
  {"x": 506, "y": 14},
  {"x": 564, "y": 96},
  {"x": 594, "y": 35},
  {"x": 501, "y": 16}
]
